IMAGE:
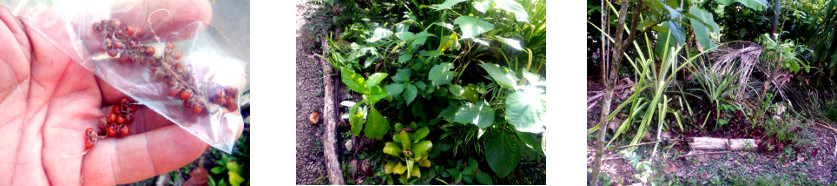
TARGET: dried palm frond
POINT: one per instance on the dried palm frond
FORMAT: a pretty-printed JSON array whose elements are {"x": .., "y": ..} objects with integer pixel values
[{"x": 746, "y": 53}]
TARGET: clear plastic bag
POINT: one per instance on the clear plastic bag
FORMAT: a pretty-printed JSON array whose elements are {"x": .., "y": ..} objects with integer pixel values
[{"x": 153, "y": 52}]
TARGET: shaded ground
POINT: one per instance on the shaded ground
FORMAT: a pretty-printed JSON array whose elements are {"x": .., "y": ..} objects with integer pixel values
[{"x": 310, "y": 163}]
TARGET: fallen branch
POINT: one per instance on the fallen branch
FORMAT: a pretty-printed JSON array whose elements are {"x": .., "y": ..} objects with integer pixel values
[
  {"x": 818, "y": 123},
  {"x": 335, "y": 175},
  {"x": 703, "y": 153},
  {"x": 709, "y": 143}
]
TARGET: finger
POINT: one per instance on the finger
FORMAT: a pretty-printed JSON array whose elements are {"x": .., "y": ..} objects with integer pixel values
[
  {"x": 143, "y": 155},
  {"x": 137, "y": 157}
]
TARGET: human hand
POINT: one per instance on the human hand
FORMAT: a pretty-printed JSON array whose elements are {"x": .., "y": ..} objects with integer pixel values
[{"x": 47, "y": 100}]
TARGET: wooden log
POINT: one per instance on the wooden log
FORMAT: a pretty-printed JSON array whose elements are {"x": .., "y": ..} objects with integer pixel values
[
  {"x": 335, "y": 175},
  {"x": 710, "y": 143}
]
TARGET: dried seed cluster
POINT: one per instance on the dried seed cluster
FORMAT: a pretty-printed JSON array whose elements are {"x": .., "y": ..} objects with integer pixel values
[
  {"x": 115, "y": 122},
  {"x": 123, "y": 42}
]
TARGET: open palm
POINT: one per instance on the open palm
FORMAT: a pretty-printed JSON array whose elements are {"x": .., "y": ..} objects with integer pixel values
[{"x": 47, "y": 100}]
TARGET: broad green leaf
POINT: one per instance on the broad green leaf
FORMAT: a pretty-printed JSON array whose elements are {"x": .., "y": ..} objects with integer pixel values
[
  {"x": 416, "y": 172},
  {"x": 432, "y": 53},
  {"x": 702, "y": 33},
  {"x": 502, "y": 151},
  {"x": 457, "y": 91},
  {"x": 235, "y": 178},
  {"x": 376, "y": 125},
  {"x": 402, "y": 75},
  {"x": 392, "y": 149},
  {"x": 482, "y": 6},
  {"x": 511, "y": 42},
  {"x": 404, "y": 58},
  {"x": 484, "y": 178},
  {"x": 420, "y": 134},
  {"x": 421, "y": 148},
  {"x": 395, "y": 89},
  {"x": 375, "y": 79},
  {"x": 448, "y": 4},
  {"x": 376, "y": 93},
  {"x": 378, "y": 34},
  {"x": 530, "y": 141},
  {"x": 441, "y": 74},
  {"x": 399, "y": 169},
  {"x": 513, "y": 7},
  {"x": 388, "y": 168},
  {"x": 410, "y": 93},
  {"x": 479, "y": 114},
  {"x": 410, "y": 164},
  {"x": 421, "y": 37},
  {"x": 501, "y": 75},
  {"x": 757, "y": 5},
  {"x": 217, "y": 170},
  {"x": 356, "y": 119},
  {"x": 471, "y": 93},
  {"x": 405, "y": 36},
  {"x": 526, "y": 110},
  {"x": 533, "y": 79},
  {"x": 353, "y": 81},
  {"x": 420, "y": 85},
  {"x": 472, "y": 166},
  {"x": 449, "y": 113},
  {"x": 472, "y": 26},
  {"x": 676, "y": 31},
  {"x": 405, "y": 140},
  {"x": 424, "y": 163}
]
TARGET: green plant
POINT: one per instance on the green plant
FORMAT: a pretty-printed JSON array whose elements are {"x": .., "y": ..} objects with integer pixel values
[
  {"x": 717, "y": 86},
  {"x": 411, "y": 152},
  {"x": 467, "y": 172},
  {"x": 372, "y": 123}
]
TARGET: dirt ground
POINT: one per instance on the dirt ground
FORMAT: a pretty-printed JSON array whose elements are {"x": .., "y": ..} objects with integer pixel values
[
  {"x": 310, "y": 163},
  {"x": 816, "y": 164}
]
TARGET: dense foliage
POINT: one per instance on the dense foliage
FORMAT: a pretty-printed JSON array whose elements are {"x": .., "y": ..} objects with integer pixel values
[{"x": 446, "y": 82}]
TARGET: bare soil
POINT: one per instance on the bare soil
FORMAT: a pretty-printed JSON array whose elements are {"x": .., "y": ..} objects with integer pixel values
[{"x": 310, "y": 163}]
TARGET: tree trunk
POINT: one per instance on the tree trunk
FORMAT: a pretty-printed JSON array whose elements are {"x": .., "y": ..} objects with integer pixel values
[
  {"x": 597, "y": 162},
  {"x": 335, "y": 175},
  {"x": 777, "y": 60}
]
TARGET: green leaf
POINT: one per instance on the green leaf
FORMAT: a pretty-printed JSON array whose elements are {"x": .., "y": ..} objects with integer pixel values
[
  {"x": 410, "y": 93},
  {"x": 233, "y": 166},
  {"x": 449, "y": 113},
  {"x": 502, "y": 151},
  {"x": 404, "y": 58},
  {"x": 376, "y": 125},
  {"x": 405, "y": 36},
  {"x": 378, "y": 34},
  {"x": 405, "y": 140},
  {"x": 479, "y": 114},
  {"x": 402, "y": 75},
  {"x": 420, "y": 134},
  {"x": 472, "y": 26},
  {"x": 376, "y": 93},
  {"x": 217, "y": 170},
  {"x": 702, "y": 33},
  {"x": 399, "y": 169},
  {"x": 484, "y": 178},
  {"x": 457, "y": 91},
  {"x": 525, "y": 109},
  {"x": 421, "y": 148},
  {"x": 501, "y": 75},
  {"x": 395, "y": 89},
  {"x": 482, "y": 6},
  {"x": 388, "y": 168},
  {"x": 530, "y": 141},
  {"x": 392, "y": 149},
  {"x": 353, "y": 81},
  {"x": 375, "y": 79},
  {"x": 757, "y": 5},
  {"x": 421, "y": 37},
  {"x": 448, "y": 4},
  {"x": 440, "y": 74},
  {"x": 511, "y": 42},
  {"x": 410, "y": 164},
  {"x": 356, "y": 119},
  {"x": 235, "y": 178},
  {"x": 513, "y": 7}
]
